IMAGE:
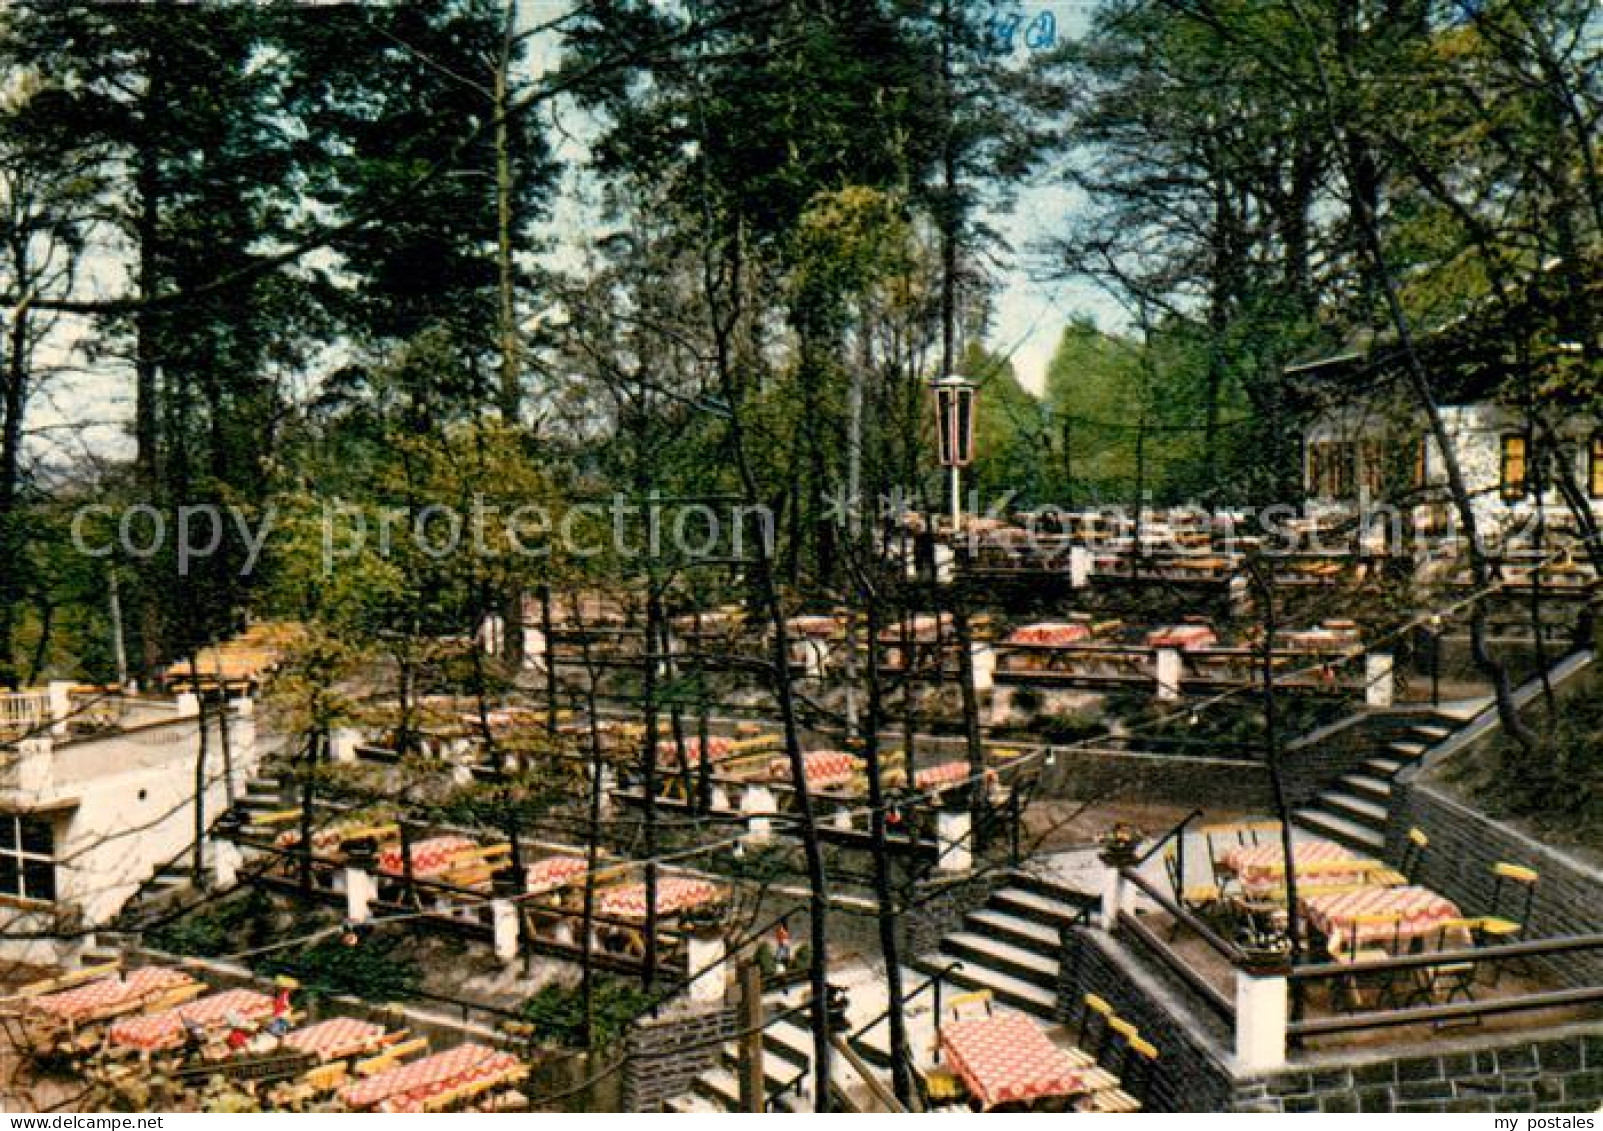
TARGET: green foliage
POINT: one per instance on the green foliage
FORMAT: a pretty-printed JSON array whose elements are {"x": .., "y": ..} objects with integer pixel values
[
  {"x": 557, "y": 1011},
  {"x": 234, "y": 925},
  {"x": 370, "y": 970}
]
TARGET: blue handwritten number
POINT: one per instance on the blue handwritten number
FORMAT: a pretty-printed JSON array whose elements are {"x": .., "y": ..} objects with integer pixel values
[
  {"x": 1002, "y": 29},
  {"x": 1042, "y": 32}
]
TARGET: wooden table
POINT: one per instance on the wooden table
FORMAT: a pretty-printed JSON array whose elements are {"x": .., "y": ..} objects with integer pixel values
[
  {"x": 1006, "y": 1058},
  {"x": 1421, "y": 912}
]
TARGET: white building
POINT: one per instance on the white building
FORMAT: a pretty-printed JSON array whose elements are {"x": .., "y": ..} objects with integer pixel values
[
  {"x": 1368, "y": 440},
  {"x": 87, "y": 816}
]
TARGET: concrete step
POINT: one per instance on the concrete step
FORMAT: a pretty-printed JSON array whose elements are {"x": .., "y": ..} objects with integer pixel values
[
  {"x": 1016, "y": 962},
  {"x": 1048, "y": 886},
  {"x": 1347, "y": 805},
  {"x": 1036, "y": 908},
  {"x": 1370, "y": 789},
  {"x": 1383, "y": 767},
  {"x": 1026, "y": 933},
  {"x": 692, "y": 1104},
  {"x": 874, "y": 1044},
  {"x": 1407, "y": 751},
  {"x": 1022, "y": 995},
  {"x": 718, "y": 1086},
  {"x": 1432, "y": 732},
  {"x": 1359, "y": 837}
]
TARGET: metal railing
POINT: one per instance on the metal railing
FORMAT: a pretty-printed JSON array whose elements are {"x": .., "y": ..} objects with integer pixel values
[{"x": 1437, "y": 1013}]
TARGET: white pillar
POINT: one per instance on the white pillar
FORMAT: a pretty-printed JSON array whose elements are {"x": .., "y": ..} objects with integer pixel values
[
  {"x": 954, "y": 840},
  {"x": 944, "y": 561},
  {"x": 342, "y": 744},
  {"x": 1168, "y": 674},
  {"x": 842, "y": 818},
  {"x": 34, "y": 758},
  {"x": 492, "y": 634},
  {"x": 533, "y": 648},
  {"x": 720, "y": 798},
  {"x": 1261, "y": 1014},
  {"x": 60, "y": 692},
  {"x": 1115, "y": 893},
  {"x": 360, "y": 891},
  {"x": 504, "y": 918},
  {"x": 608, "y": 783},
  {"x": 226, "y": 859},
  {"x": 187, "y": 705},
  {"x": 984, "y": 660},
  {"x": 811, "y": 654},
  {"x": 1079, "y": 566},
  {"x": 758, "y": 805},
  {"x": 708, "y": 959},
  {"x": 1378, "y": 684}
]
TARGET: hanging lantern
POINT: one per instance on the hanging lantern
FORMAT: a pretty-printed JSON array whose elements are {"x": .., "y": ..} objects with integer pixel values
[{"x": 954, "y": 419}]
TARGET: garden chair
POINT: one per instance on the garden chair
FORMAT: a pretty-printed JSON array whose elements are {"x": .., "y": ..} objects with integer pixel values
[
  {"x": 1496, "y": 926},
  {"x": 1094, "y": 1028},
  {"x": 1414, "y": 853},
  {"x": 1382, "y": 983},
  {"x": 1140, "y": 1064},
  {"x": 1444, "y": 983}
]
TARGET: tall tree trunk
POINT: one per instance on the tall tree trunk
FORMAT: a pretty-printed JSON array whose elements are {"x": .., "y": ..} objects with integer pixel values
[
  {"x": 1363, "y": 194},
  {"x": 11, "y": 528},
  {"x": 884, "y": 899}
]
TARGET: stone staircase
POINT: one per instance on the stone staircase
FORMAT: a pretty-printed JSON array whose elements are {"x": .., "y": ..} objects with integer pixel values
[
  {"x": 1353, "y": 809},
  {"x": 787, "y": 1069},
  {"x": 1011, "y": 945}
]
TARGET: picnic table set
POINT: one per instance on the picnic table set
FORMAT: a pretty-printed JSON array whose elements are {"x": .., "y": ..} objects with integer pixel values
[
  {"x": 433, "y": 1082},
  {"x": 675, "y": 895},
  {"x": 158, "y": 1027},
  {"x": 1353, "y": 902},
  {"x": 1006, "y": 1058},
  {"x": 430, "y": 857},
  {"x": 823, "y": 768}
]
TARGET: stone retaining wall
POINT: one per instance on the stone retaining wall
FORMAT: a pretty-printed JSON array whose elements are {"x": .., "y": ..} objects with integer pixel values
[
  {"x": 1173, "y": 779},
  {"x": 1464, "y": 844},
  {"x": 1563, "y": 1071},
  {"x": 664, "y": 1055},
  {"x": 1190, "y": 1073}
]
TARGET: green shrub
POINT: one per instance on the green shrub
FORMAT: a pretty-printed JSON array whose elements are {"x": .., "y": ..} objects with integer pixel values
[
  {"x": 370, "y": 970},
  {"x": 229, "y": 927},
  {"x": 557, "y": 1012}
]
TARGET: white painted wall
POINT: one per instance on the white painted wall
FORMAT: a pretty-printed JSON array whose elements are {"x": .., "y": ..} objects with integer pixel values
[
  {"x": 121, "y": 806},
  {"x": 1476, "y": 432}
]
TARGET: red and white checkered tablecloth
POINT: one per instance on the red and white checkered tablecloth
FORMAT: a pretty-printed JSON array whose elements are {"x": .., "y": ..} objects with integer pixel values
[
  {"x": 1049, "y": 632},
  {"x": 109, "y": 996},
  {"x": 922, "y": 629},
  {"x": 719, "y": 749},
  {"x": 1182, "y": 636},
  {"x": 823, "y": 767},
  {"x": 336, "y": 1038},
  {"x": 408, "y": 1085},
  {"x": 946, "y": 773},
  {"x": 552, "y": 873},
  {"x": 1008, "y": 1059},
  {"x": 1422, "y": 910},
  {"x": 674, "y": 894},
  {"x": 429, "y": 857},
  {"x": 322, "y": 839},
  {"x": 1264, "y": 865},
  {"x": 165, "y": 1030},
  {"x": 818, "y": 627}
]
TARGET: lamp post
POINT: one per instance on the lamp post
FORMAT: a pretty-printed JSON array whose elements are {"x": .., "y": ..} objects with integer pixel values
[{"x": 954, "y": 426}]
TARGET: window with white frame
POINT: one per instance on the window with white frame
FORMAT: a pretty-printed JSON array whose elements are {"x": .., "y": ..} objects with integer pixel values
[{"x": 27, "y": 858}]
